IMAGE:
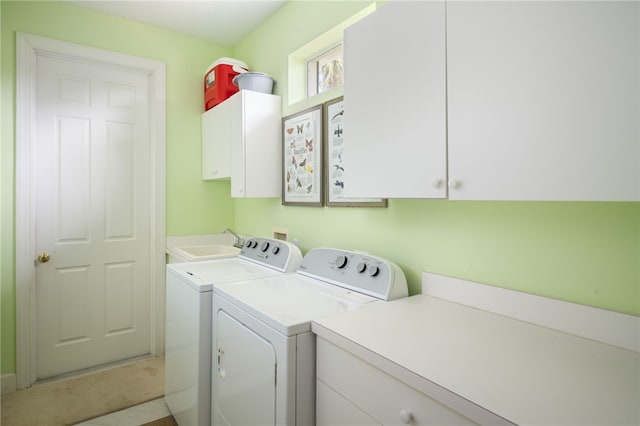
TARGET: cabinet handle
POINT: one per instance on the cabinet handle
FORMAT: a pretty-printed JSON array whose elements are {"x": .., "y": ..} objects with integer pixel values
[
  {"x": 406, "y": 416},
  {"x": 454, "y": 184},
  {"x": 436, "y": 183}
]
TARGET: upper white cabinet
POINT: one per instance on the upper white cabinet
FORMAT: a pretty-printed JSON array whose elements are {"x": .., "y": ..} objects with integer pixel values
[
  {"x": 534, "y": 101},
  {"x": 241, "y": 141},
  {"x": 395, "y": 102},
  {"x": 543, "y": 100},
  {"x": 216, "y": 142}
]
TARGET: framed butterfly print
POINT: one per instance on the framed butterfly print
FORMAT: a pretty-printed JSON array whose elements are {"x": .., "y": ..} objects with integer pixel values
[
  {"x": 302, "y": 183},
  {"x": 335, "y": 183}
]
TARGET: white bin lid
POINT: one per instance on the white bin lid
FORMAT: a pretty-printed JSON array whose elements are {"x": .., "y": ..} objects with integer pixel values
[{"x": 227, "y": 61}]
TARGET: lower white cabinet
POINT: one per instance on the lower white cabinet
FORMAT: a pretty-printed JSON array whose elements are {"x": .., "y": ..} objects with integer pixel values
[
  {"x": 241, "y": 141},
  {"x": 350, "y": 391},
  {"x": 335, "y": 410}
]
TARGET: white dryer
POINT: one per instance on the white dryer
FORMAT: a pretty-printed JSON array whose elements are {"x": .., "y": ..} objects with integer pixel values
[
  {"x": 264, "y": 350},
  {"x": 188, "y": 338}
]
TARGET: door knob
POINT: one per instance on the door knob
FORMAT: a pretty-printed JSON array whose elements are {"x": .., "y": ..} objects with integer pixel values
[{"x": 44, "y": 257}]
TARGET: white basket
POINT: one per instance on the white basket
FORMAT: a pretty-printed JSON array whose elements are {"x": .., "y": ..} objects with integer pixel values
[{"x": 256, "y": 81}]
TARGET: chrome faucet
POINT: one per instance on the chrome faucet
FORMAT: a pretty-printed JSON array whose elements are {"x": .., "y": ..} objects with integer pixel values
[{"x": 239, "y": 240}]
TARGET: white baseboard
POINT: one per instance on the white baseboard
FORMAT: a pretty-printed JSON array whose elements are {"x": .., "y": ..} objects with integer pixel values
[{"x": 8, "y": 383}]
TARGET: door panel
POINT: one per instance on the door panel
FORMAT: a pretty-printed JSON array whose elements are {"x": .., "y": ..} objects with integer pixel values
[
  {"x": 72, "y": 155},
  {"x": 73, "y": 312},
  {"x": 120, "y": 187},
  {"x": 92, "y": 213},
  {"x": 119, "y": 298}
]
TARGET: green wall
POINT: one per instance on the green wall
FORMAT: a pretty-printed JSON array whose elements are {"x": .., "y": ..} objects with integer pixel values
[
  {"x": 193, "y": 206},
  {"x": 587, "y": 253}
]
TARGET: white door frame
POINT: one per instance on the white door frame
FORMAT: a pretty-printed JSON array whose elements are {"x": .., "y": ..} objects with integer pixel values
[{"x": 28, "y": 48}]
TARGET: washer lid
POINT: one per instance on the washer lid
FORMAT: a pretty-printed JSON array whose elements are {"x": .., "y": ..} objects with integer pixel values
[
  {"x": 289, "y": 302},
  {"x": 202, "y": 276}
]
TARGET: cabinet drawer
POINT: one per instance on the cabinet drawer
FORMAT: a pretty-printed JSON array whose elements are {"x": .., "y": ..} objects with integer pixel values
[
  {"x": 332, "y": 409},
  {"x": 384, "y": 398}
]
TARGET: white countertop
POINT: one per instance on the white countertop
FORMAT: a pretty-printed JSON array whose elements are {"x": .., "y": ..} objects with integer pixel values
[{"x": 475, "y": 360}]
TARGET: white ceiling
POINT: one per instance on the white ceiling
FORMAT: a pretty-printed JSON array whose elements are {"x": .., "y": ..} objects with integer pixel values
[{"x": 225, "y": 22}]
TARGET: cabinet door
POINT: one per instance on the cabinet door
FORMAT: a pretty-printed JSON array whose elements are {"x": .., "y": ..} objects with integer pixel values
[
  {"x": 543, "y": 100},
  {"x": 216, "y": 142},
  {"x": 371, "y": 395},
  {"x": 332, "y": 409},
  {"x": 256, "y": 151},
  {"x": 394, "y": 99}
]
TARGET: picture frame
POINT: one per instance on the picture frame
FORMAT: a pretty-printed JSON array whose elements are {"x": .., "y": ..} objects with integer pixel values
[
  {"x": 302, "y": 158},
  {"x": 333, "y": 112}
]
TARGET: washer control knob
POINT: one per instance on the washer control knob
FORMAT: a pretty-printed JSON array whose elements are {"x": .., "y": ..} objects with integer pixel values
[
  {"x": 254, "y": 244},
  {"x": 361, "y": 267},
  {"x": 374, "y": 270},
  {"x": 265, "y": 246},
  {"x": 341, "y": 261},
  {"x": 275, "y": 249}
]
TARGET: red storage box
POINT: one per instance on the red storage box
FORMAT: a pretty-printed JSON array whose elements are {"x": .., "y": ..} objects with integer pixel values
[{"x": 218, "y": 81}]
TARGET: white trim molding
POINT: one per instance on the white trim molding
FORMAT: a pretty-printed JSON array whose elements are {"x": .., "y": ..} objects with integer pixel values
[
  {"x": 8, "y": 383},
  {"x": 28, "y": 48}
]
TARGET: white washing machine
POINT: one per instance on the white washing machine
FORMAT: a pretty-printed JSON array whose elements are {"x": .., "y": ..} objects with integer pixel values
[
  {"x": 264, "y": 350},
  {"x": 188, "y": 339}
]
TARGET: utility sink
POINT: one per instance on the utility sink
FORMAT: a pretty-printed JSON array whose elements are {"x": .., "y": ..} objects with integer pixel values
[{"x": 201, "y": 252}]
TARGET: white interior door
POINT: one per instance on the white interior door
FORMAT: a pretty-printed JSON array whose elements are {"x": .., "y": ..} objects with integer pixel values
[{"x": 92, "y": 159}]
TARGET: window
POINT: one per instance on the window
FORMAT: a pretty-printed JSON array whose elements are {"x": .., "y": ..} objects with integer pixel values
[
  {"x": 317, "y": 66},
  {"x": 325, "y": 71}
]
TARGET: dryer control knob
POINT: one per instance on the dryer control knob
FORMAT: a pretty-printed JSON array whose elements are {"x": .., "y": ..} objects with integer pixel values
[
  {"x": 265, "y": 246},
  {"x": 341, "y": 261},
  {"x": 361, "y": 267},
  {"x": 275, "y": 249}
]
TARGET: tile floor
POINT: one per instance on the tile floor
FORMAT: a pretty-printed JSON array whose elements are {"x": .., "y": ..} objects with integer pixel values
[{"x": 134, "y": 416}]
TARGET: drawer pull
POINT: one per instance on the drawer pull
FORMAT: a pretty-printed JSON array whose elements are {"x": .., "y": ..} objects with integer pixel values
[{"x": 406, "y": 416}]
